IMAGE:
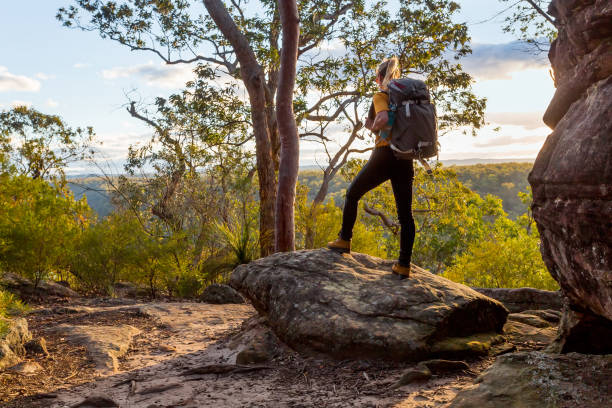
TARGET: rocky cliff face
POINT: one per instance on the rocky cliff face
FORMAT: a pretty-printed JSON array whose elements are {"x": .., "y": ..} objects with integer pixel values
[{"x": 572, "y": 175}]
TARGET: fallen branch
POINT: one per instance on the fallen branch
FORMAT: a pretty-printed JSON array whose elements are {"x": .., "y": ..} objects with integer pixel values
[
  {"x": 223, "y": 369},
  {"x": 159, "y": 388}
]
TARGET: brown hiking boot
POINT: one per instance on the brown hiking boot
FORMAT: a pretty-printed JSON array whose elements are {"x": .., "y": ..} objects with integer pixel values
[
  {"x": 402, "y": 271},
  {"x": 340, "y": 245}
]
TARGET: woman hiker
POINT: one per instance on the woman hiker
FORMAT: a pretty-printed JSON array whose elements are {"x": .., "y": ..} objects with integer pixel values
[{"x": 382, "y": 166}]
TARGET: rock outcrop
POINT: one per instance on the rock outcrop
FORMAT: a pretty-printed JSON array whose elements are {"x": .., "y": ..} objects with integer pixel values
[
  {"x": 520, "y": 299},
  {"x": 539, "y": 379},
  {"x": 14, "y": 336},
  {"x": 220, "y": 294},
  {"x": 353, "y": 307},
  {"x": 104, "y": 344},
  {"x": 25, "y": 288},
  {"x": 572, "y": 176}
]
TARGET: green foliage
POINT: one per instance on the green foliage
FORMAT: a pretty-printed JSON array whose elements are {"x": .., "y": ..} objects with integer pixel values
[
  {"x": 10, "y": 306},
  {"x": 504, "y": 259},
  {"x": 105, "y": 251},
  {"x": 39, "y": 226},
  {"x": 530, "y": 22},
  {"x": 448, "y": 217},
  {"x": 39, "y": 145}
]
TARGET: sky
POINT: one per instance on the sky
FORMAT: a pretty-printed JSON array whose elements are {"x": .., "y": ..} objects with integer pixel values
[{"x": 86, "y": 80}]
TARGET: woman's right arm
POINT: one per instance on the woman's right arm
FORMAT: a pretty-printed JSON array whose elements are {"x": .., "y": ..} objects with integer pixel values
[{"x": 381, "y": 120}]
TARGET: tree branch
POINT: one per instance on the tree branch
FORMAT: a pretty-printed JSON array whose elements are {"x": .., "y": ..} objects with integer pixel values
[
  {"x": 393, "y": 226},
  {"x": 331, "y": 96},
  {"x": 542, "y": 12}
]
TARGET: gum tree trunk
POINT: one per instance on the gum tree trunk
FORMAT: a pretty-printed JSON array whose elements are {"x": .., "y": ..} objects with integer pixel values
[
  {"x": 287, "y": 128},
  {"x": 253, "y": 77}
]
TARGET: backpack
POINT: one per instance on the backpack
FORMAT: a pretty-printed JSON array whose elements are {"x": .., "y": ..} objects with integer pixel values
[{"x": 412, "y": 116}]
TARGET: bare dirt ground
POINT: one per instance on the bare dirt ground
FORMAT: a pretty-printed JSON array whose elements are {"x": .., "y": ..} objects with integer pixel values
[{"x": 167, "y": 364}]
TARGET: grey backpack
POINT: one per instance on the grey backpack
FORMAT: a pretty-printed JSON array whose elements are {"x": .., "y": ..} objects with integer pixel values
[{"x": 414, "y": 131}]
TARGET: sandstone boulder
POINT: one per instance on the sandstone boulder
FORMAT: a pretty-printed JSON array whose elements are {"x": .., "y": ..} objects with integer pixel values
[
  {"x": 220, "y": 294},
  {"x": 351, "y": 306},
  {"x": 520, "y": 299},
  {"x": 537, "y": 379},
  {"x": 13, "y": 336},
  {"x": 572, "y": 175},
  {"x": 25, "y": 289}
]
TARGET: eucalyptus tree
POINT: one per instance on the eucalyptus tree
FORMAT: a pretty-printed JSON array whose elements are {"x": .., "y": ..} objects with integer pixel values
[
  {"x": 339, "y": 46},
  {"x": 288, "y": 132},
  {"x": 241, "y": 41},
  {"x": 39, "y": 145},
  {"x": 187, "y": 174}
]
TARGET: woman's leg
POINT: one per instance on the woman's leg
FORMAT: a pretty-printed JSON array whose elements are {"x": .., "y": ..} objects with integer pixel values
[
  {"x": 375, "y": 172},
  {"x": 401, "y": 181}
]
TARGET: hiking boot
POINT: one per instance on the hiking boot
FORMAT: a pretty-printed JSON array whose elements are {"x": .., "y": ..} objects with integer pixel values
[
  {"x": 340, "y": 245},
  {"x": 402, "y": 271}
]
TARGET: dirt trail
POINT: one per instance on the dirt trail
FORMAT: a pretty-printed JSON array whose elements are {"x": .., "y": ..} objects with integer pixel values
[{"x": 177, "y": 337}]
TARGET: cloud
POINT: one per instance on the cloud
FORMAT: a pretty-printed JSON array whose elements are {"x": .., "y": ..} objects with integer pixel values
[
  {"x": 44, "y": 77},
  {"x": 508, "y": 141},
  {"x": 498, "y": 61},
  {"x": 12, "y": 82},
  {"x": 161, "y": 75},
  {"x": 528, "y": 120},
  {"x": 80, "y": 65},
  {"x": 52, "y": 103}
]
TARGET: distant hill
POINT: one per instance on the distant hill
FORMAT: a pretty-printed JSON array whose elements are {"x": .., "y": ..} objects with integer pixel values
[
  {"x": 94, "y": 188},
  {"x": 470, "y": 162},
  {"x": 457, "y": 162},
  {"x": 504, "y": 180}
]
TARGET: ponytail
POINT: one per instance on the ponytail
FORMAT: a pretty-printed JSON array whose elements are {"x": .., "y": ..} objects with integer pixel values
[{"x": 389, "y": 69}]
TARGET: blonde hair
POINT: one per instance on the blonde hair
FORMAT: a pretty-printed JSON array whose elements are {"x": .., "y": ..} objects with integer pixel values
[{"x": 389, "y": 69}]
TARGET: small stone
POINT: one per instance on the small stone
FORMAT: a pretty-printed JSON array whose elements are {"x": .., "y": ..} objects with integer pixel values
[
  {"x": 26, "y": 368},
  {"x": 529, "y": 319},
  {"x": 166, "y": 349},
  {"x": 37, "y": 346},
  {"x": 459, "y": 347},
  {"x": 262, "y": 348},
  {"x": 503, "y": 349},
  {"x": 420, "y": 373}
]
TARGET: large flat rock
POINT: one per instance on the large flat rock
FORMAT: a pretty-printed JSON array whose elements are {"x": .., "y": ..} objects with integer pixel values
[
  {"x": 104, "y": 344},
  {"x": 351, "y": 306},
  {"x": 541, "y": 380}
]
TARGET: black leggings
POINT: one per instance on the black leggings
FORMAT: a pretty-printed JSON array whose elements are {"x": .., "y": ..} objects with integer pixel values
[{"x": 381, "y": 167}]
